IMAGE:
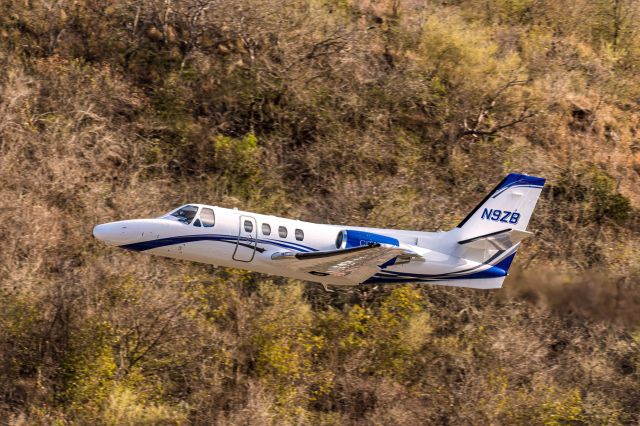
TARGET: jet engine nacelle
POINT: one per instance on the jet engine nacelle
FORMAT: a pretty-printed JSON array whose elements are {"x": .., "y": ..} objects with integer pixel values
[{"x": 349, "y": 238}]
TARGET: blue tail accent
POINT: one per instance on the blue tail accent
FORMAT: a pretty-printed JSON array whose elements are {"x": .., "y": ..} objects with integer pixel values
[
  {"x": 510, "y": 181},
  {"x": 498, "y": 270},
  {"x": 517, "y": 180},
  {"x": 505, "y": 263}
]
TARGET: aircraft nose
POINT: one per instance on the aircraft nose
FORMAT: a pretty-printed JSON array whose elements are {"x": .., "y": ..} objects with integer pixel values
[
  {"x": 102, "y": 231},
  {"x": 111, "y": 233}
]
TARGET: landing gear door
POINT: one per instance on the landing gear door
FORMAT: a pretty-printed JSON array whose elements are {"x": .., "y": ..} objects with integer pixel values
[{"x": 247, "y": 239}]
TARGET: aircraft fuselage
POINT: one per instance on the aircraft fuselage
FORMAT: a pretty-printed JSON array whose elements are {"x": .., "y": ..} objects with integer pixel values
[{"x": 247, "y": 240}]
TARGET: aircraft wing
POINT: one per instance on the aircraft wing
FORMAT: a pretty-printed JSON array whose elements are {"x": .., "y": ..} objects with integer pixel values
[{"x": 354, "y": 265}]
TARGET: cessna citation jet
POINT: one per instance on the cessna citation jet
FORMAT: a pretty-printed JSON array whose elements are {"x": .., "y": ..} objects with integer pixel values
[{"x": 476, "y": 254}]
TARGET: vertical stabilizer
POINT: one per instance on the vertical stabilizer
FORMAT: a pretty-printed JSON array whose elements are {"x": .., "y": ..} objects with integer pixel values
[{"x": 508, "y": 207}]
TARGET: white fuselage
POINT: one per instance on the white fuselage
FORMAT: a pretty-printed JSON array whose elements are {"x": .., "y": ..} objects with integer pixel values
[{"x": 246, "y": 240}]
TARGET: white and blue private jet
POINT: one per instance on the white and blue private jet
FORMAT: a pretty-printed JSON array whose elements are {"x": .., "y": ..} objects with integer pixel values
[{"x": 476, "y": 254}]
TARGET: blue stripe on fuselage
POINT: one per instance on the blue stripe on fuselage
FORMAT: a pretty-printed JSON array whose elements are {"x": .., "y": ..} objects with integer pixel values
[
  {"x": 182, "y": 239},
  {"x": 289, "y": 244},
  {"x": 498, "y": 270}
]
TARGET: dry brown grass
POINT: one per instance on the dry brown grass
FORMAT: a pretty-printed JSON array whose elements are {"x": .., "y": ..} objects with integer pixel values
[{"x": 364, "y": 113}]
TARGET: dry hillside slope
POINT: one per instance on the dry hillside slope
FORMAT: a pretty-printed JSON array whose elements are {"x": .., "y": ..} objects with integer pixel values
[{"x": 391, "y": 113}]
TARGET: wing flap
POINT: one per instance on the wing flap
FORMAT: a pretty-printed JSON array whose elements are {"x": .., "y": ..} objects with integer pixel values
[{"x": 354, "y": 265}]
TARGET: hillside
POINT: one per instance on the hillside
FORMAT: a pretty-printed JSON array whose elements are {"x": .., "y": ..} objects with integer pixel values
[{"x": 390, "y": 113}]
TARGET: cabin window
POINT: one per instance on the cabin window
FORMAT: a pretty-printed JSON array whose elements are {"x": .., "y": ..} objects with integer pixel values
[
  {"x": 186, "y": 214},
  {"x": 339, "y": 239},
  {"x": 299, "y": 235},
  {"x": 282, "y": 231},
  {"x": 196, "y": 222},
  {"x": 207, "y": 217},
  {"x": 248, "y": 226},
  {"x": 266, "y": 229}
]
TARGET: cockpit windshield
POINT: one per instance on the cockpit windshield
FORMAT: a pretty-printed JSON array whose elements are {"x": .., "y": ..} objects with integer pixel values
[{"x": 185, "y": 214}]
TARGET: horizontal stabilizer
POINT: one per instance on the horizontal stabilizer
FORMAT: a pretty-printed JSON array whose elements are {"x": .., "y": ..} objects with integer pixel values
[{"x": 499, "y": 240}]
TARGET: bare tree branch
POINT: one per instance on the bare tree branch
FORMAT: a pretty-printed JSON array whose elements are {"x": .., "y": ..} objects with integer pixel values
[{"x": 491, "y": 103}]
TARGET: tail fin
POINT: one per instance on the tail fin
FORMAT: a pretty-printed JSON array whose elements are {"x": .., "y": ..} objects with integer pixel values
[
  {"x": 491, "y": 233},
  {"x": 508, "y": 207}
]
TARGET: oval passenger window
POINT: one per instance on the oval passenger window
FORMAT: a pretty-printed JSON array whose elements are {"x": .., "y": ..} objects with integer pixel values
[
  {"x": 266, "y": 229},
  {"x": 282, "y": 231},
  {"x": 248, "y": 226},
  {"x": 299, "y": 235},
  {"x": 207, "y": 217}
]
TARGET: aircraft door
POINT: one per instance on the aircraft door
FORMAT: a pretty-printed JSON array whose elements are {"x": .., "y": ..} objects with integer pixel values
[{"x": 246, "y": 244}]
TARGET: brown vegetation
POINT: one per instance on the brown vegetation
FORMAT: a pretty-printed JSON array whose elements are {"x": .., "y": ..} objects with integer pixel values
[{"x": 389, "y": 113}]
